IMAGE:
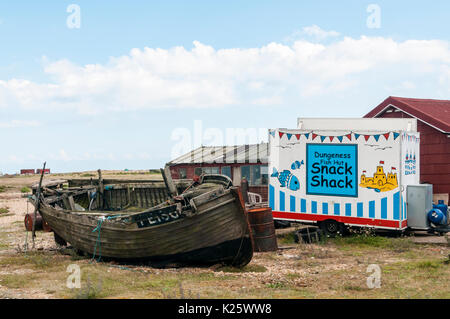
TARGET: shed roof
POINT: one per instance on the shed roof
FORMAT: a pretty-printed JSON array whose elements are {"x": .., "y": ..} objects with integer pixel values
[
  {"x": 249, "y": 153},
  {"x": 435, "y": 113}
]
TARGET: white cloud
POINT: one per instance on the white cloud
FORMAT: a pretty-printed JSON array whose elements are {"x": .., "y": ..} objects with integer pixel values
[
  {"x": 312, "y": 32},
  {"x": 19, "y": 123},
  {"x": 203, "y": 77},
  {"x": 319, "y": 34}
]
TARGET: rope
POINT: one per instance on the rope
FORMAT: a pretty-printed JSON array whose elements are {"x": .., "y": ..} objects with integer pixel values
[{"x": 98, "y": 241}]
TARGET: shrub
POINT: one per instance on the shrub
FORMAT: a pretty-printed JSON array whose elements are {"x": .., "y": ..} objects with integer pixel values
[{"x": 25, "y": 189}]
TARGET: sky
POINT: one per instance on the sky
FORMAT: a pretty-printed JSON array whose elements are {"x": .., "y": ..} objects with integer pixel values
[{"x": 132, "y": 84}]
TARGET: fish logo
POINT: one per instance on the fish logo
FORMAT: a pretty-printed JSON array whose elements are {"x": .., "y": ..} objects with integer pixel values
[{"x": 286, "y": 178}]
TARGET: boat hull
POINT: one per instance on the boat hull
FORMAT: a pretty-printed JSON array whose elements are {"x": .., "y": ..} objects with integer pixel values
[{"x": 218, "y": 231}]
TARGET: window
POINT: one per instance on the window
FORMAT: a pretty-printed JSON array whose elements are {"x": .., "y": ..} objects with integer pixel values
[
  {"x": 210, "y": 170},
  {"x": 245, "y": 173},
  {"x": 226, "y": 170},
  {"x": 206, "y": 170},
  {"x": 182, "y": 173},
  {"x": 215, "y": 170},
  {"x": 198, "y": 171},
  {"x": 264, "y": 174},
  {"x": 255, "y": 174}
]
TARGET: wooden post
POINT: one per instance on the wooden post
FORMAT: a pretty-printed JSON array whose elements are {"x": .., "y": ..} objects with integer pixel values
[
  {"x": 101, "y": 189},
  {"x": 244, "y": 190},
  {"x": 36, "y": 208},
  {"x": 168, "y": 181}
]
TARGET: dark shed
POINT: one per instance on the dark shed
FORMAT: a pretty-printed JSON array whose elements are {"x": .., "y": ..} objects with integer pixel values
[{"x": 239, "y": 161}]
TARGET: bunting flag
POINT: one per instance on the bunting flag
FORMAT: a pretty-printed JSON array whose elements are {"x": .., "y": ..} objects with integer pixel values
[{"x": 340, "y": 138}]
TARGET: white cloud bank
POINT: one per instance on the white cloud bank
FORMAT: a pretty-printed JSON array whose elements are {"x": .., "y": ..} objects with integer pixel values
[{"x": 204, "y": 77}]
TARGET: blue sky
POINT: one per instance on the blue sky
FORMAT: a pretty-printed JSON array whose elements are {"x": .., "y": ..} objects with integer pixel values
[{"x": 95, "y": 97}]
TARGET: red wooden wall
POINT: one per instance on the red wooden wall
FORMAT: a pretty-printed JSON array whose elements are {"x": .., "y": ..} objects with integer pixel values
[{"x": 434, "y": 155}]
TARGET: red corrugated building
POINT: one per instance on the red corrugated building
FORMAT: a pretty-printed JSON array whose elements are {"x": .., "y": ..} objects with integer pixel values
[
  {"x": 433, "y": 123},
  {"x": 237, "y": 162},
  {"x": 26, "y": 171},
  {"x": 46, "y": 171}
]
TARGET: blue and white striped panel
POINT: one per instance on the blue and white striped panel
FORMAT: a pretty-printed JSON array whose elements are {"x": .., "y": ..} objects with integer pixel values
[{"x": 385, "y": 208}]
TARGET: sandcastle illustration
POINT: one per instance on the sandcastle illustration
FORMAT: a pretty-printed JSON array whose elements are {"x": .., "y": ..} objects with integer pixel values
[{"x": 380, "y": 182}]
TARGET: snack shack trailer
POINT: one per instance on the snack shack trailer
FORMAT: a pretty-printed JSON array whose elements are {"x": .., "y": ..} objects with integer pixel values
[{"x": 354, "y": 172}]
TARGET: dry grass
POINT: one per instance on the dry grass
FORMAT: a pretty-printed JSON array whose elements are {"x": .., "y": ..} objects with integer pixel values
[{"x": 320, "y": 271}]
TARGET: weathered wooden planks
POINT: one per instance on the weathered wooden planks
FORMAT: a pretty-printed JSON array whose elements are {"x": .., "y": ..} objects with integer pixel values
[{"x": 217, "y": 232}]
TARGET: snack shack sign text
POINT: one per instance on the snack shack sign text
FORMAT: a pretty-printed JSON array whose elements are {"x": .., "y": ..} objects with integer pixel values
[{"x": 331, "y": 170}]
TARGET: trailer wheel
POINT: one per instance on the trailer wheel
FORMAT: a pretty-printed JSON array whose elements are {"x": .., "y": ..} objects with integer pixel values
[{"x": 331, "y": 228}]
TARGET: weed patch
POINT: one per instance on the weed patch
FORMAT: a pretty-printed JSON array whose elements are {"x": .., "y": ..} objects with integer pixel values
[{"x": 25, "y": 189}]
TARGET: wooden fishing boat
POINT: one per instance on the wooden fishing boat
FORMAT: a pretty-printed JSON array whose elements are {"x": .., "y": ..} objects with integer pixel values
[{"x": 205, "y": 224}]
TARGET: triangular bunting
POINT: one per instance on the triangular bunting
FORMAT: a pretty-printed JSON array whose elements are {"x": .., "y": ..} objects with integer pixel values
[
  {"x": 314, "y": 136},
  {"x": 331, "y": 138},
  {"x": 357, "y": 136},
  {"x": 281, "y": 134},
  {"x": 386, "y": 136},
  {"x": 340, "y": 138},
  {"x": 396, "y": 135},
  {"x": 322, "y": 138},
  {"x": 366, "y": 137},
  {"x": 297, "y": 136},
  {"x": 307, "y": 135},
  {"x": 272, "y": 133},
  {"x": 349, "y": 136},
  {"x": 376, "y": 137},
  {"x": 289, "y": 136}
]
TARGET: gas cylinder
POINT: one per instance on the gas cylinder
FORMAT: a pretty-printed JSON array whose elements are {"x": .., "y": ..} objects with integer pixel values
[{"x": 437, "y": 217}]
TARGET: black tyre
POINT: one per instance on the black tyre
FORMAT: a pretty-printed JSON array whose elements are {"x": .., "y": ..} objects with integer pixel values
[{"x": 331, "y": 228}]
